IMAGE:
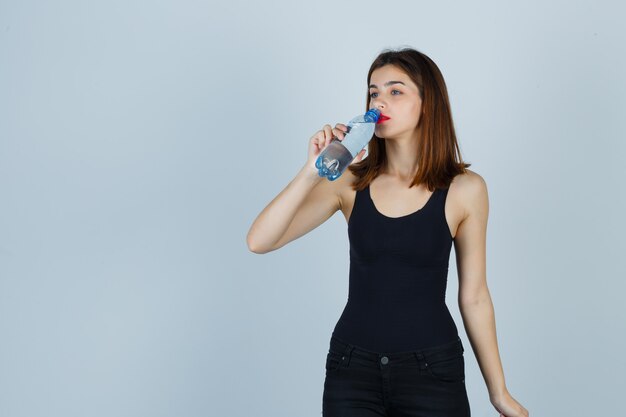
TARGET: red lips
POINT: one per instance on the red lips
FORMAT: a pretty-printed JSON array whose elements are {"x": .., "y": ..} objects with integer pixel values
[{"x": 382, "y": 118}]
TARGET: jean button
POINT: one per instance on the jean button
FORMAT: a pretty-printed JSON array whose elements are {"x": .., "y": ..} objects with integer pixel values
[{"x": 384, "y": 360}]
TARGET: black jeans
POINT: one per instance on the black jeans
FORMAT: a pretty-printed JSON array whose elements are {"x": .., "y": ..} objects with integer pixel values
[{"x": 428, "y": 382}]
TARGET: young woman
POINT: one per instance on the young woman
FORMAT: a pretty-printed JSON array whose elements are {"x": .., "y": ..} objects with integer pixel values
[{"x": 395, "y": 350}]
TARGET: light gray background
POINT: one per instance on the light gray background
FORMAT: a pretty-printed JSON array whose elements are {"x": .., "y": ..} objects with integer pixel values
[{"x": 139, "y": 140}]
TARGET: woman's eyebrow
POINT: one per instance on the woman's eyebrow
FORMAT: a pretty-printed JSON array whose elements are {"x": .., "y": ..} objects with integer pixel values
[{"x": 387, "y": 84}]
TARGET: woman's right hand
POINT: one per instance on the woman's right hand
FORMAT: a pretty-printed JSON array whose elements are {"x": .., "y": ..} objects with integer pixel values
[{"x": 322, "y": 138}]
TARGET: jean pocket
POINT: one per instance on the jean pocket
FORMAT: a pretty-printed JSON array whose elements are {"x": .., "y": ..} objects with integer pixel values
[
  {"x": 449, "y": 369},
  {"x": 334, "y": 360}
]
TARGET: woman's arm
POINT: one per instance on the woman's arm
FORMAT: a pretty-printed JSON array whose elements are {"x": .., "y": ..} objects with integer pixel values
[
  {"x": 305, "y": 203},
  {"x": 474, "y": 299}
]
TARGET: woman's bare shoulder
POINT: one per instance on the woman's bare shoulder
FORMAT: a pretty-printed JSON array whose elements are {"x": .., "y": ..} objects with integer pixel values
[
  {"x": 469, "y": 190},
  {"x": 468, "y": 180}
]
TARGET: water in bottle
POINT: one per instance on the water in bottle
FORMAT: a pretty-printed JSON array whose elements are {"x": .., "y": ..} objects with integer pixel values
[{"x": 334, "y": 160}]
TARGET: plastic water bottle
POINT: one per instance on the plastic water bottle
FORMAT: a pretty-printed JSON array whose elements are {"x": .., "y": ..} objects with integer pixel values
[{"x": 334, "y": 160}]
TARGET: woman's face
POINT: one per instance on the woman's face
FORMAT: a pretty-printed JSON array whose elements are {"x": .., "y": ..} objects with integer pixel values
[{"x": 397, "y": 97}]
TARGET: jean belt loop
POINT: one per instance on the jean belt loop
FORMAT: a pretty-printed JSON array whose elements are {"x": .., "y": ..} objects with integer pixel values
[
  {"x": 420, "y": 359},
  {"x": 347, "y": 353}
]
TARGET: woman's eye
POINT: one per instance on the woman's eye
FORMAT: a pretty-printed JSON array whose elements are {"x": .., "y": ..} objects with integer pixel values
[{"x": 391, "y": 91}]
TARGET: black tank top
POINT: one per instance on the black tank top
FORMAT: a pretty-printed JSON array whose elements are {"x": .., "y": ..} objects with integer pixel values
[{"x": 398, "y": 278}]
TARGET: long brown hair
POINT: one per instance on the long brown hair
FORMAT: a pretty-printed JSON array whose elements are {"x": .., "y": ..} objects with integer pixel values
[{"x": 438, "y": 153}]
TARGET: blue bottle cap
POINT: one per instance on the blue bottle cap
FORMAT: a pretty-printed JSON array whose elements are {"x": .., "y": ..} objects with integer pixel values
[{"x": 372, "y": 115}]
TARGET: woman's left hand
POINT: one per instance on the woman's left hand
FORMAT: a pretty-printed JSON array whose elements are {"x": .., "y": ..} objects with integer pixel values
[{"x": 506, "y": 405}]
